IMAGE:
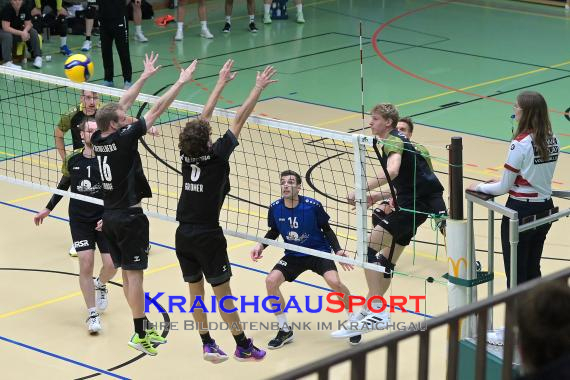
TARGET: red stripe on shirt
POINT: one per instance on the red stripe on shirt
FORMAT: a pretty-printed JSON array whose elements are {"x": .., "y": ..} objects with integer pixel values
[
  {"x": 523, "y": 195},
  {"x": 520, "y": 181},
  {"x": 521, "y": 136},
  {"x": 509, "y": 167}
]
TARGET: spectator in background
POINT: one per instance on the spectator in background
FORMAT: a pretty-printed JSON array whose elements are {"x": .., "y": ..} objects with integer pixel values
[
  {"x": 51, "y": 13},
  {"x": 250, "y": 12},
  {"x": 17, "y": 27},
  {"x": 267, "y": 11},
  {"x": 181, "y": 12},
  {"x": 114, "y": 27}
]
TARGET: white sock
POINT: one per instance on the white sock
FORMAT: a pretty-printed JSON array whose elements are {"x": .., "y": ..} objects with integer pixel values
[
  {"x": 251, "y": 18},
  {"x": 282, "y": 320},
  {"x": 91, "y": 311},
  {"x": 63, "y": 41},
  {"x": 138, "y": 28},
  {"x": 229, "y": 19},
  {"x": 98, "y": 282},
  {"x": 266, "y": 8},
  {"x": 180, "y": 25},
  {"x": 299, "y": 8},
  {"x": 204, "y": 24}
]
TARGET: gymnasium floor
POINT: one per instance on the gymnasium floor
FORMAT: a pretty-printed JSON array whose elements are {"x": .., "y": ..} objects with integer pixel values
[{"x": 454, "y": 66}]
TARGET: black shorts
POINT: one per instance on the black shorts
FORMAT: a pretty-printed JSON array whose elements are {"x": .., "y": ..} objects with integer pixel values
[
  {"x": 403, "y": 224},
  {"x": 292, "y": 266},
  {"x": 127, "y": 233},
  {"x": 201, "y": 252},
  {"x": 85, "y": 236}
]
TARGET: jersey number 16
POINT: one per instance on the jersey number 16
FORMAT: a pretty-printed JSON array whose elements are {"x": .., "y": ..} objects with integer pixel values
[
  {"x": 104, "y": 169},
  {"x": 293, "y": 222}
]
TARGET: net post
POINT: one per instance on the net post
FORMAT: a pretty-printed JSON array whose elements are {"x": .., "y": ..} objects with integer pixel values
[
  {"x": 456, "y": 178},
  {"x": 360, "y": 188},
  {"x": 460, "y": 242}
]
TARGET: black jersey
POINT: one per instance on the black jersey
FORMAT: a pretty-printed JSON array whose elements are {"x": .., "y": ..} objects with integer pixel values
[
  {"x": 16, "y": 20},
  {"x": 413, "y": 165},
  {"x": 82, "y": 175},
  {"x": 120, "y": 166},
  {"x": 206, "y": 182},
  {"x": 112, "y": 10},
  {"x": 70, "y": 122}
]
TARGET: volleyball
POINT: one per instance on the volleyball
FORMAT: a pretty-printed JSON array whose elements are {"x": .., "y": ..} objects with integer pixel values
[{"x": 78, "y": 68}]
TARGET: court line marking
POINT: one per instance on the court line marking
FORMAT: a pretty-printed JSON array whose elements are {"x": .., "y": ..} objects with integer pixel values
[
  {"x": 527, "y": 13},
  {"x": 29, "y": 197},
  {"x": 76, "y": 294},
  {"x": 233, "y": 264},
  {"x": 395, "y": 66},
  {"x": 40, "y": 304},
  {"x": 445, "y": 93},
  {"x": 60, "y": 357}
]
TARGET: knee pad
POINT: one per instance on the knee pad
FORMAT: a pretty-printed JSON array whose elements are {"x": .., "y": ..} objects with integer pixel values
[
  {"x": 372, "y": 258},
  {"x": 91, "y": 12},
  {"x": 37, "y": 22},
  {"x": 386, "y": 264}
]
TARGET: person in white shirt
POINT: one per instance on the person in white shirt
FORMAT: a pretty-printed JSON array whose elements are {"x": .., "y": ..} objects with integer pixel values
[{"x": 527, "y": 178}]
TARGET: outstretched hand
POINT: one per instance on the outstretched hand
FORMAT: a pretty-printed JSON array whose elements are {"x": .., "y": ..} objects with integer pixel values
[
  {"x": 264, "y": 78},
  {"x": 149, "y": 69},
  {"x": 226, "y": 74},
  {"x": 186, "y": 74}
]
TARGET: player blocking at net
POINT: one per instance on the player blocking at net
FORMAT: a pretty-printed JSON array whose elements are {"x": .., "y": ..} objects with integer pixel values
[
  {"x": 81, "y": 173},
  {"x": 301, "y": 221},
  {"x": 418, "y": 195},
  {"x": 200, "y": 242},
  {"x": 124, "y": 183}
]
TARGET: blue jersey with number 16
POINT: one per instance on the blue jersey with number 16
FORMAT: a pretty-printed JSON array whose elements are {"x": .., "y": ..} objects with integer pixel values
[{"x": 301, "y": 225}]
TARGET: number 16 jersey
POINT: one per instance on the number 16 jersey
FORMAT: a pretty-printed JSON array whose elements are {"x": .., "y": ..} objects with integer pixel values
[
  {"x": 124, "y": 182},
  {"x": 301, "y": 225}
]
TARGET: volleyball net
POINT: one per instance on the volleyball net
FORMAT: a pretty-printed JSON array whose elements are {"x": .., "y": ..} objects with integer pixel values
[{"x": 332, "y": 164}]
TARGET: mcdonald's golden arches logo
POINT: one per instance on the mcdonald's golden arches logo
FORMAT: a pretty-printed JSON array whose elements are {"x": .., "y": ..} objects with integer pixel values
[{"x": 455, "y": 265}]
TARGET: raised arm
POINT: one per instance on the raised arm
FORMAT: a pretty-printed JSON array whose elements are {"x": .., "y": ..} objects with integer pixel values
[
  {"x": 393, "y": 168},
  {"x": 226, "y": 76},
  {"x": 129, "y": 97},
  {"x": 263, "y": 80},
  {"x": 165, "y": 100},
  {"x": 59, "y": 142}
]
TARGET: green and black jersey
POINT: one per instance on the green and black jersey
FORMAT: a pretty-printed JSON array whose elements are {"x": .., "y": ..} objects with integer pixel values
[
  {"x": 415, "y": 177},
  {"x": 424, "y": 152},
  {"x": 70, "y": 122}
]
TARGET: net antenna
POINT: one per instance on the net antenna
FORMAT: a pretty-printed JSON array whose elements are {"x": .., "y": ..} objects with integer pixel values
[{"x": 361, "y": 79}]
